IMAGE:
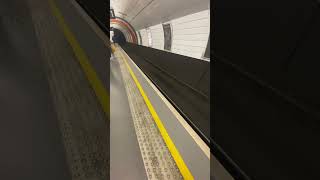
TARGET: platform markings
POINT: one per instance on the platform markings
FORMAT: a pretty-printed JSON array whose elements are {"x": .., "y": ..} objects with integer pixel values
[
  {"x": 184, "y": 170},
  {"x": 81, "y": 56},
  {"x": 158, "y": 161},
  {"x": 203, "y": 146}
]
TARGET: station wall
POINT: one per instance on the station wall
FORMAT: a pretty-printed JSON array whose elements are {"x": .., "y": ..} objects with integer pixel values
[
  {"x": 144, "y": 37},
  {"x": 189, "y": 33}
]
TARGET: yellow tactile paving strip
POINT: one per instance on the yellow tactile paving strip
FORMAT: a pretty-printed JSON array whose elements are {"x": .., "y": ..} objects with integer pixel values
[{"x": 162, "y": 160}]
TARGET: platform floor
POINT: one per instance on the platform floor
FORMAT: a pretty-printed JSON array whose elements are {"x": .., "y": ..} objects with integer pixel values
[
  {"x": 125, "y": 157},
  {"x": 52, "y": 126},
  {"x": 195, "y": 158},
  {"x": 31, "y": 143}
]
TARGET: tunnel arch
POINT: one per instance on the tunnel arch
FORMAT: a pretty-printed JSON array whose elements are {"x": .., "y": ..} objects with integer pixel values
[
  {"x": 125, "y": 27},
  {"x": 118, "y": 36}
]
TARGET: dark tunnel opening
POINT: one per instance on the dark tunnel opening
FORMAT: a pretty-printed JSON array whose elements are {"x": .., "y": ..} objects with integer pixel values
[{"x": 118, "y": 37}]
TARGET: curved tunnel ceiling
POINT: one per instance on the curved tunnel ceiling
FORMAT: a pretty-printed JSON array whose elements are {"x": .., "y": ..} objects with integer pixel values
[{"x": 144, "y": 13}]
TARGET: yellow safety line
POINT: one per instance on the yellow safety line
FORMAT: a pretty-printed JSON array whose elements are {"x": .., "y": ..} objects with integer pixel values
[
  {"x": 185, "y": 172},
  {"x": 89, "y": 71}
]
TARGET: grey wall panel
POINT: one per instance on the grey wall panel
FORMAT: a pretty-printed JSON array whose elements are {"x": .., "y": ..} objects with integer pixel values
[{"x": 167, "y": 36}]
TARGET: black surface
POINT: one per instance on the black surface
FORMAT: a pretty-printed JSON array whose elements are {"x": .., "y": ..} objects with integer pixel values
[
  {"x": 266, "y": 136},
  {"x": 184, "y": 80},
  {"x": 98, "y": 11},
  {"x": 266, "y": 100},
  {"x": 260, "y": 36},
  {"x": 207, "y": 52},
  {"x": 302, "y": 73},
  {"x": 30, "y": 142}
]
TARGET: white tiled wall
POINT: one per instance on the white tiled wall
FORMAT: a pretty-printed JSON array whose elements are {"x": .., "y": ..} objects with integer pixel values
[
  {"x": 157, "y": 36},
  {"x": 138, "y": 37},
  {"x": 149, "y": 37},
  {"x": 144, "y": 37},
  {"x": 189, "y": 34}
]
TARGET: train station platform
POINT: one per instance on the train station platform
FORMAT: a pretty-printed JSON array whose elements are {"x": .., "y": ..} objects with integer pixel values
[
  {"x": 162, "y": 141},
  {"x": 69, "y": 111}
]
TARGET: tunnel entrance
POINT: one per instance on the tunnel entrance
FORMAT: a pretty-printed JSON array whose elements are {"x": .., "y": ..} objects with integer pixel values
[{"x": 118, "y": 37}]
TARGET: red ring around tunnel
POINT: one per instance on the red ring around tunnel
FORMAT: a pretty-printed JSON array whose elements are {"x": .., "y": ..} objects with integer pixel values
[{"x": 127, "y": 26}]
